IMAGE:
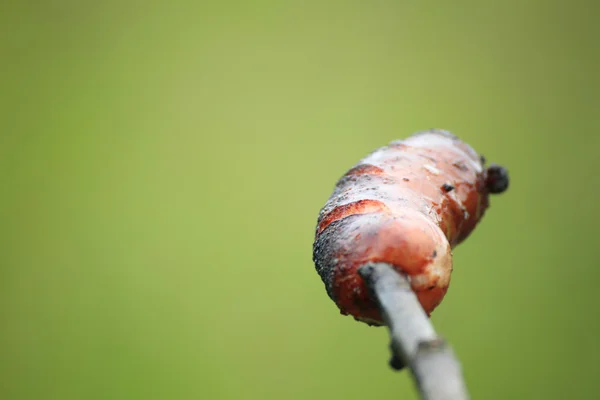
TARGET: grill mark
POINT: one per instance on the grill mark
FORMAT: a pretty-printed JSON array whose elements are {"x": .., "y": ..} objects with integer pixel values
[{"x": 358, "y": 207}]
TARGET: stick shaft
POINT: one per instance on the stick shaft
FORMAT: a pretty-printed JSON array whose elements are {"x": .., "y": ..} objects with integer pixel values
[{"x": 414, "y": 341}]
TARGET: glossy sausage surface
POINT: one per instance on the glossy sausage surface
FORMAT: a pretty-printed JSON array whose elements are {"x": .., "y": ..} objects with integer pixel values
[{"x": 406, "y": 204}]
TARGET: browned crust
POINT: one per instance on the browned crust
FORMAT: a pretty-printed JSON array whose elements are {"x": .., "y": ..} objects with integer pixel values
[{"x": 371, "y": 216}]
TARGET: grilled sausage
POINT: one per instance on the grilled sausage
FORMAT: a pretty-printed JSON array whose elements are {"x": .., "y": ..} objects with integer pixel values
[{"x": 407, "y": 204}]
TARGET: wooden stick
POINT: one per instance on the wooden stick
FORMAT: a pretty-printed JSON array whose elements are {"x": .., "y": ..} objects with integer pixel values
[{"x": 414, "y": 342}]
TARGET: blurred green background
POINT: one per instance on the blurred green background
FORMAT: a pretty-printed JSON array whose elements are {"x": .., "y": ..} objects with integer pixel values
[{"x": 162, "y": 166}]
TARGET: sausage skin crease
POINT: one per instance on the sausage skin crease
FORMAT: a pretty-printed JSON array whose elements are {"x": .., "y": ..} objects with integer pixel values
[{"x": 406, "y": 204}]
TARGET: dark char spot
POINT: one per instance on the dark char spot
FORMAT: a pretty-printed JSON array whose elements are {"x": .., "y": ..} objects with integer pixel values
[{"x": 446, "y": 187}]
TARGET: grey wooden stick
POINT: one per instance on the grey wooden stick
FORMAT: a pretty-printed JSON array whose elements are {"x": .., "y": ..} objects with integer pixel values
[{"x": 414, "y": 342}]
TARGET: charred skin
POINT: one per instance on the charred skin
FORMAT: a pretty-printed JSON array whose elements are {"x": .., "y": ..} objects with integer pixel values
[{"x": 407, "y": 204}]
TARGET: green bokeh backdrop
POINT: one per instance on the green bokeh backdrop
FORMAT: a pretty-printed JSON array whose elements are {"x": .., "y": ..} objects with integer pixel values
[{"x": 162, "y": 167}]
